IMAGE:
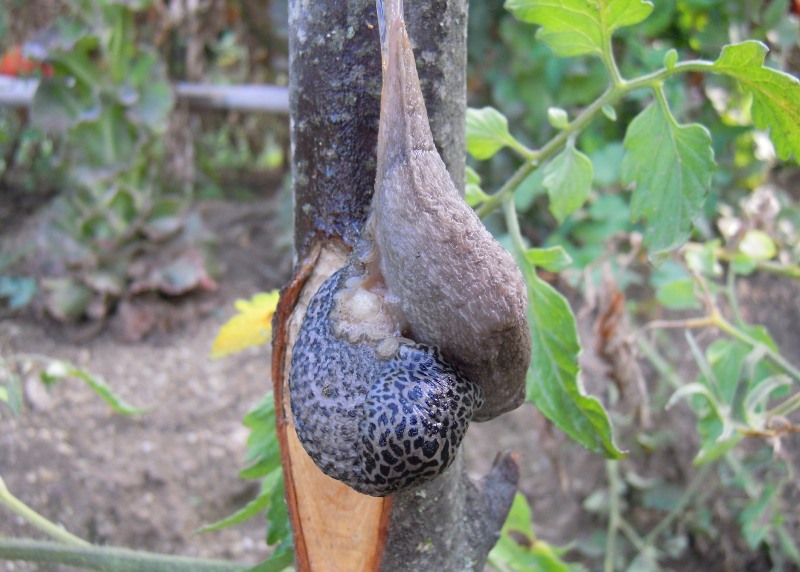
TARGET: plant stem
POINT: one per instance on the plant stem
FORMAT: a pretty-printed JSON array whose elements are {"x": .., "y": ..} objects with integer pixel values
[
  {"x": 698, "y": 480},
  {"x": 107, "y": 557},
  {"x": 610, "y": 97},
  {"x": 35, "y": 519},
  {"x": 787, "y": 407},
  {"x": 720, "y": 322},
  {"x": 512, "y": 224},
  {"x": 663, "y": 367},
  {"x": 612, "y": 470}
]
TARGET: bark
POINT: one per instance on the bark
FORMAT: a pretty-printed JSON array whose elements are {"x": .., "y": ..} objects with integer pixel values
[
  {"x": 334, "y": 98},
  {"x": 335, "y": 81}
]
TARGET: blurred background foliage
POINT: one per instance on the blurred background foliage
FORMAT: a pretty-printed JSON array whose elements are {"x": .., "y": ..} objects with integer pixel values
[
  {"x": 523, "y": 78},
  {"x": 113, "y": 163}
]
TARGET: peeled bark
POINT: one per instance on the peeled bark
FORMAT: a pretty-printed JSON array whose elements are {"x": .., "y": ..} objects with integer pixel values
[{"x": 335, "y": 81}]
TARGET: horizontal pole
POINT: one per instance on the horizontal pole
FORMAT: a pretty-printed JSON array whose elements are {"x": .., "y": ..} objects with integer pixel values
[{"x": 16, "y": 92}]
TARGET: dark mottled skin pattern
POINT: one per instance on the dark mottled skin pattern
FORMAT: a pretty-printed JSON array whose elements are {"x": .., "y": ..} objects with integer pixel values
[{"x": 378, "y": 425}]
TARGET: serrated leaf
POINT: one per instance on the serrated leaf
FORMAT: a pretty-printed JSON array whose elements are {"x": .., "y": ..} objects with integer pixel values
[
  {"x": 672, "y": 166},
  {"x": 553, "y": 259},
  {"x": 252, "y": 326},
  {"x": 568, "y": 179},
  {"x": 487, "y": 132},
  {"x": 553, "y": 378},
  {"x": 577, "y": 27},
  {"x": 776, "y": 95}
]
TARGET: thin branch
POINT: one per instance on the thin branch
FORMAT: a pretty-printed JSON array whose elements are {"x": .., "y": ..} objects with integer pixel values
[
  {"x": 107, "y": 558},
  {"x": 612, "y": 470},
  {"x": 37, "y": 520}
]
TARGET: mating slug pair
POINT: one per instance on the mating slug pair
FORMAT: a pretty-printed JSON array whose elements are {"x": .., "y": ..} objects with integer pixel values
[{"x": 425, "y": 327}]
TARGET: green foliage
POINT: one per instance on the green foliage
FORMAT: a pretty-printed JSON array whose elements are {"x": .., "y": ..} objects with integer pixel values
[
  {"x": 568, "y": 179},
  {"x": 51, "y": 370},
  {"x": 671, "y": 165},
  {"x": 487, "y": 133},
  {"x": 120, "y": 230},
  {"x": 597, "y": 140},
  {"x": 553, "y": 381},
  {"x": 264, "y": 462},
  {"x": 577, "y": 27},
  {"x": 776, "y": 95},
  {"x": 518, "y": 548}
]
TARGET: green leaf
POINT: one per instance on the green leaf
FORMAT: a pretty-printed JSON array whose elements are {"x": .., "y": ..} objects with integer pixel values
[
  {"x": 487, "y": 133},
  {"x": 678, "y": 294},
  {"x": 518, "y": 548},
  {"x": 101, "y": 388},
  {"x": 568, "y": 179},
  {"x": 248, "y": 511},
  {"x": 18, "y": 291},
  {"x": 280, "y": 560},
  {"x": 554, "y": 259},
  {"x": 776, "y": 95},
  {"x": 672, "y": 166},
  {"x": 278, "y": 514},
  {"x": 54, "y": 108},
  {"x": 473, "y": 193},
  {"x": 553, "y": 382},
  {"x": 576, "y": 27},
  {"x": 757, "y": 245}
]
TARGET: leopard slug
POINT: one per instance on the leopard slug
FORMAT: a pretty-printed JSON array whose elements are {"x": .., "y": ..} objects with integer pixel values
[{"x": 424, "y": 328}]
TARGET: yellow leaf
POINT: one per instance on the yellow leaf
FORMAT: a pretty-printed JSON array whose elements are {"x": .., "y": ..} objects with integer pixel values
[{"x": 252, "y": 326}]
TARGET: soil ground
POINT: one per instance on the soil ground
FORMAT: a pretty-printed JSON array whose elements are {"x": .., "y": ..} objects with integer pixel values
[{"x": 148, "y": 482}]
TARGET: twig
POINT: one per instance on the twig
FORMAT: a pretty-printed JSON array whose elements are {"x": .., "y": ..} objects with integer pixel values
[
  {"x": 107, "y": 558},
  {"x": 35, "y": 519},
  {"x": 612, "y": 470}
]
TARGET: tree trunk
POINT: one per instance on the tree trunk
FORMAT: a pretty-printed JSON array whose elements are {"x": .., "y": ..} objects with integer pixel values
[{"x": 335, "y": 84}]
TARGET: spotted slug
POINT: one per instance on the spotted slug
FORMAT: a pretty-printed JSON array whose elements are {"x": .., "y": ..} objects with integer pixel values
[{"x": 424, "y": 329}]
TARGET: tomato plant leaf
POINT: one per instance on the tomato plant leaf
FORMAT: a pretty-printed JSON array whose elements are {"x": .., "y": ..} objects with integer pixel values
[
  {"x": 248, "y": 511},
  {"x": 568, "y": 179},
  {"x": 553, "y": 378},
  {"x": 519, "y": 549},
  {"x": 672, "y": 166},
  {"x": 578, "y": 27},
  {"x": 487, "y": 133},
  {"x": 553, "y": 259},
  {"x": 776, "y": 95}
]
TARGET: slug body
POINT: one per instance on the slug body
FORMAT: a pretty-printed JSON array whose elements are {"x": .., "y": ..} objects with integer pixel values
[
  {"x": 425, "y": 326},
  {"x": 378, "y": 423},
  {"x": 459, "y": 288}
]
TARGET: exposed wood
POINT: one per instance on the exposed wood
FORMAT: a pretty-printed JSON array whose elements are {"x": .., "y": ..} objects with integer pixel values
[{"x": 335, "y": 528}]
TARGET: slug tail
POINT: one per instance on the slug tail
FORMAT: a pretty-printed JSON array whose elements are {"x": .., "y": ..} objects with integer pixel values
[{"x": 388, "y": 12}]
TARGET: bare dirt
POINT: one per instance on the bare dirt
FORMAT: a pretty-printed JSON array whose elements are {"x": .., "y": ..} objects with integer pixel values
[{"x": 149, "y": 481}]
